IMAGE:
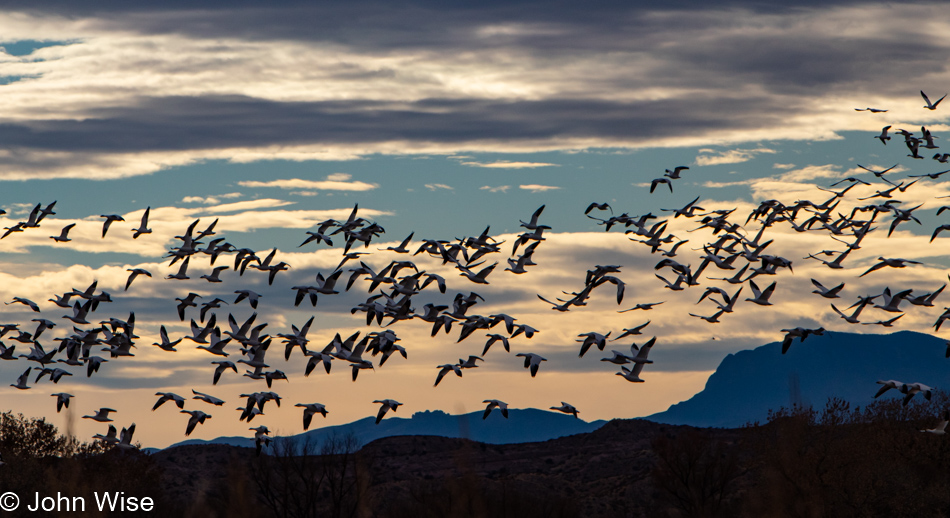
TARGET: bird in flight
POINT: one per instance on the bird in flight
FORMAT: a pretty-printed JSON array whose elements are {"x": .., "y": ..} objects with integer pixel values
[
  {"x": 884, "y": 137},
  {"x": 675, "y": 173},
  {"x": 143, "y": 226},
  {"x": 62, "y": 400},
  {"x": 646, "y": 306},
  {"x": 135, "y": 272},
  {"x": 62, "y": 237},
  {"x": 309, "y": 410},
  {"x": 930, "y": 105},
  {"x": 386, "y": 406},
  {"x": 108, "y": 222},
  {"x": 659, "y": 181},
  {"x": 941, "y": 428},
  {"x": 890, "y": 262},
  {"x": 567, "y": 409},
  {"x": 495, "y": 403}
]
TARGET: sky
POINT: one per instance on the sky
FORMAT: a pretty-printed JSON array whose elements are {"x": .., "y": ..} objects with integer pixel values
[{"x": 441, "y": 119}]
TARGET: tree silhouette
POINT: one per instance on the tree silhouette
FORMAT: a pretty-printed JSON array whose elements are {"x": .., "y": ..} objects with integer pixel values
[
  {"x": 298, "y": 479},
  {"x": 694, "y": 473},
  {"x": 37, "y": 458}
]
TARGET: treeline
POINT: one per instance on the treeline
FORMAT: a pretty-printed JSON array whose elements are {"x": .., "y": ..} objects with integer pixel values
[
  {"x": 838, "y": 461},
  {"x": 38, "y": 459}
]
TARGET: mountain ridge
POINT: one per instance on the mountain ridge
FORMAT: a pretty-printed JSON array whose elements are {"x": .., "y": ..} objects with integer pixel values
[
  {"x": 742, "y": 390},
  {"x": 749, "y": 383},
  {"x": 522, "y": 426}
]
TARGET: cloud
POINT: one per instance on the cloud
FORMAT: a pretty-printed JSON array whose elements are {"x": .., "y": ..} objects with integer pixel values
[
  {"x": 895, "y": 168},
  {"x": 246, "y": 205},
  {"x": 437, "y": 186},
  {"x": 210, "y": 200},
  {"x": 106, "y": 105},
  {"x": 774, "y": 189},
  {"x": 296, "y": 183},
  {"x": 718, "y": 185},
  {"x": 783, "y": 166},
  {"x": 500, "y": 188},
  {"x": 795, "y": 180},
  {"x": 811, "y": 172},
  {"x": 538, "y": 188},
  {"x": 339, "y": 177},
  {"x": 19, "y": 209},
  {"x": 733, "y": 156},
  {"x": 505, "y": 164}
]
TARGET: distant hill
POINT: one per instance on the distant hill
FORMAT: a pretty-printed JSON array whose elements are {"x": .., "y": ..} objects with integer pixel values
[
  {"x": 522, "y": 426},
  {"x": 845, "y": 365}
]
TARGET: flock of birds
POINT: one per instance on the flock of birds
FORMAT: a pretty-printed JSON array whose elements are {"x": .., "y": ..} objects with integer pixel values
[
  {"x": 392, "y": 290},
  {"x": 396, "y": 284}
]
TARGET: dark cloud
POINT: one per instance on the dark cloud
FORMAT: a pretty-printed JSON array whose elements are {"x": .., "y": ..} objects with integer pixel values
[
  {"x": 387, "y": 24},
  {"x": 795, "y": 65},
  {"x": 209, "y": 122},
  {"x": 705, "y": 72}
]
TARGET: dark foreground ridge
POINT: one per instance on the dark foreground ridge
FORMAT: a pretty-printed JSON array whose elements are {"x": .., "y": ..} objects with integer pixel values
[
  {"x": 839, "y": 461},
  {"x": 801, "y": 462},
  {"x": 602, "y": 473}
]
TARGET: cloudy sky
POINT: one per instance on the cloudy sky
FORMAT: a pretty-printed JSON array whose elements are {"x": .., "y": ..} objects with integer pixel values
[{"x": 443, "y": 119}]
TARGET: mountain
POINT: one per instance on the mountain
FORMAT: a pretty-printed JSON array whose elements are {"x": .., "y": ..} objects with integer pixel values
[
  {"x": 522, "y": 426},
  {"x": 744, "y": 387},
  {"x": 845, "y": 365}
]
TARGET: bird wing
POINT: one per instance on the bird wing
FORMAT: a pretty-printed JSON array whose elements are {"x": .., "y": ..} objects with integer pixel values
[{"x": 382, "y": 411}]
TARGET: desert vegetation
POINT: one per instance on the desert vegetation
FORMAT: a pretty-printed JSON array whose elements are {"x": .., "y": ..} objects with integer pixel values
[
  {"x": 37, "y": 458},
  {"x": 838, "y": 460}
]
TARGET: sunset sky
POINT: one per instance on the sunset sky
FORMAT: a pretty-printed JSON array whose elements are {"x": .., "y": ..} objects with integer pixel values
[{"x": 444, "y": 118}]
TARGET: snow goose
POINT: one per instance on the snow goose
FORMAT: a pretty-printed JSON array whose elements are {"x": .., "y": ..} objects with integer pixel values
[
  {"x": 930, "y": 106},
  {"x": 22, "y": 380},
  {"x": 495, "y": 403},
  {"x": 567, "y": 409},
  {"x": 201, "y": 396},
  {"x": 941, "y": 427},
  {"x": 309, "y": 410},
  {"x": 911, "y": 389},
  {"x": 62, "y": 400},
  {"x": 888, "y": 385},
  {"x": 532, "y": 362},
  {"x": 387, "y": 405},
  {"x": 197, "y": 417},
  {"x": 168, "y": 396},
  {"x": 101, "y": 415}
]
